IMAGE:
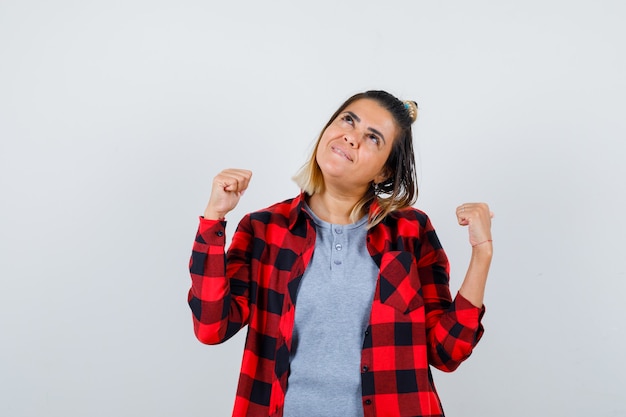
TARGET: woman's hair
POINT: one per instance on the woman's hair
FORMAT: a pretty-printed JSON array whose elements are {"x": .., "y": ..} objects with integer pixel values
[{"x": 399, "y": 190}]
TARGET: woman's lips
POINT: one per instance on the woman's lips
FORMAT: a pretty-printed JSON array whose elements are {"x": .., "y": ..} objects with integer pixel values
[{"x": 341, "y": 152}]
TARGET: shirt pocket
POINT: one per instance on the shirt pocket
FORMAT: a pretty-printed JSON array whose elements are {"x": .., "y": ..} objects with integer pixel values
[{"x": 398, "y": 282}]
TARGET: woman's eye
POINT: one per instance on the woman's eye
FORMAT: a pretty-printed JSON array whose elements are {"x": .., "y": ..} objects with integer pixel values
[
  {"x": 375, "y": 139},
  {"x": 347, "y": 118}
]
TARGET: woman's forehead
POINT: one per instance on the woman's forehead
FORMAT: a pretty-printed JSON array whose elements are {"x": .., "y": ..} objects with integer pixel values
[{"x": 373, "y": 114}]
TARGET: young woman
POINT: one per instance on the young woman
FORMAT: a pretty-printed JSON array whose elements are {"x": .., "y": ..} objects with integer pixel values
[{"x": 344, "y": 288}]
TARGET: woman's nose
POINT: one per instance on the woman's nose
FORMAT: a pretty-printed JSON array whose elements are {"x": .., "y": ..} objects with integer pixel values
[{"x": 351, "y": 140}]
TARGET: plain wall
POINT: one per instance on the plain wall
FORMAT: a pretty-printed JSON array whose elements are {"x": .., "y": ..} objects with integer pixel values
[{"x": 115, "y": 116}]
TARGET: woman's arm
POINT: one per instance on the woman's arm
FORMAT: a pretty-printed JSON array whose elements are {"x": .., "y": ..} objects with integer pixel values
[
  {"x": 477, "y": 217},
  {"x": 218, "y": 301},
  {"x": 454, "y": 325}
]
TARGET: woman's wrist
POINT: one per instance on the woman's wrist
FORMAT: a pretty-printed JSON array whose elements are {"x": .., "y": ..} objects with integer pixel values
[
  {"x": 482, "y": 242},
  {"x": 483, "y": 249},
  {"x": 213, "y": 215}
]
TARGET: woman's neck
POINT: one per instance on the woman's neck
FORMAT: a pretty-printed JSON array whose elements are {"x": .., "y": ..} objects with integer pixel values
[{"x": 333, "y": 207}]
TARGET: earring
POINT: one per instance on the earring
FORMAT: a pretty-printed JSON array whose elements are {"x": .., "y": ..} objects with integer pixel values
[{"x": 376, "y": 188}]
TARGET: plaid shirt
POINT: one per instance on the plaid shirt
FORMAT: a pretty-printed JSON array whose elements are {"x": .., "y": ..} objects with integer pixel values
[{"x": 414, "y": 323}]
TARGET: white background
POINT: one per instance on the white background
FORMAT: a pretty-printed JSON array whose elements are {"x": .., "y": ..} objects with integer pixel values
[{"x": 115, "y": 115}]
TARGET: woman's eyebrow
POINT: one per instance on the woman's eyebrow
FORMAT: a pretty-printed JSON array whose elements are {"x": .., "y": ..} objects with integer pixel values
[
  {"x": 371, "y": 129},
  {"x": 354, "y": 116}
]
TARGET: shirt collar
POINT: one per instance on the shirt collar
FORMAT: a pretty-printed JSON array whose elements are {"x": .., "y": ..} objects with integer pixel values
[{"x": 297, "y": 209}]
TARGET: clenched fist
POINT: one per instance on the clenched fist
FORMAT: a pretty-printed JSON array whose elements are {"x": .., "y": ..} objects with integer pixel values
[
  {"x": 228, "y": 187},
  {"x": 477, "y": 217}
]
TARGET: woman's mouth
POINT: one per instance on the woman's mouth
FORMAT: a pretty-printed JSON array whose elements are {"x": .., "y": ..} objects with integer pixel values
[{"x": 341, "y": 152}]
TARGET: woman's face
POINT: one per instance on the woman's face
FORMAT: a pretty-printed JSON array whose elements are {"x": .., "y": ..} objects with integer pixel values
[{"x": 353, "y": 149}]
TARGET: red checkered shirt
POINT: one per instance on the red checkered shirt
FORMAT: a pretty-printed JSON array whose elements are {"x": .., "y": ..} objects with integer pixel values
[{"x": 413, "y": 324}]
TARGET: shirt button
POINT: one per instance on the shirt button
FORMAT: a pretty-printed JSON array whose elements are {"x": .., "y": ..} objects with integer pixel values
[
  {"x": 338, "y": 230},
  {"x": 368, "y": 402},
  {"x": 367, "y": 333},
  {"x": 220, "y": 233},
  {"x": 365, "y": 368},
  {"x": 337, "y": 262},
  {"x": 338, "y": 246}
]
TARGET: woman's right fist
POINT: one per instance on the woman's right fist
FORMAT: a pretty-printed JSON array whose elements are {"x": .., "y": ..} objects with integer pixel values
[{"x": 228, "y": 187}]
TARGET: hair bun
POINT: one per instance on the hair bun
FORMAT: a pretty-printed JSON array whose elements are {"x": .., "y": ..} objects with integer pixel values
[{"x": 411, "y": 108}]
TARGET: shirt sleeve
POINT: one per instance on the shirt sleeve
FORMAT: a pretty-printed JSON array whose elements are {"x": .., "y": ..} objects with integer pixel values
[
  {"x": 218, "y": 302},
  {"x": 456, "y": 334},
  {"x": 453, "y": 326}
]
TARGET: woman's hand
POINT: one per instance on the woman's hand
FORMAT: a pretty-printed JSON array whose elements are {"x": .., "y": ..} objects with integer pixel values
[
  {"x": 228, "y": 187},
  {"x": 477, "y": 217}
]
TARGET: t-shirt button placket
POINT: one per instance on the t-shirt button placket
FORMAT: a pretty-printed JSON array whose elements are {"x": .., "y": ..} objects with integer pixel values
[{"x": 337, "y": 259}]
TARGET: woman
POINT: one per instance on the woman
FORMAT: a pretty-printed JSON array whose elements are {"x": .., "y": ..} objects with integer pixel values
[{"x": 345, "y": 287}]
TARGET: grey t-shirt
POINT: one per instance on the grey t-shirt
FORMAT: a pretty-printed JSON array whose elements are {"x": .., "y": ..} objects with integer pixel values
[{"x": 332, "y": 313}]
